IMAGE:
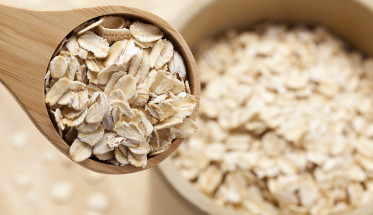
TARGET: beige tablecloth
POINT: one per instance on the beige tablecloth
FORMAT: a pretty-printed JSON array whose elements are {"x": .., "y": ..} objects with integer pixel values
[{"x": 31, "y": 167}]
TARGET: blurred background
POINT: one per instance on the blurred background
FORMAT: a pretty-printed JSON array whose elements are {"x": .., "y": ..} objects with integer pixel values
[{"x": 37, "y": 179}]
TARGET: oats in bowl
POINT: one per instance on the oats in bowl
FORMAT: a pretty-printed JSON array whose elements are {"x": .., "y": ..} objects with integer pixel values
[
  {"x": 285, "y": 123},
  {"x": 118, "y": 92}
]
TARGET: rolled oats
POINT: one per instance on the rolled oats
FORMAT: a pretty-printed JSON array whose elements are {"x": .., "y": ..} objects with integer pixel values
[
  {"x": 103, "y": 146},
  {"x": 177, "y": 66},
  {"x": 59, "y": 117},
  {"x": 145, "y": 32},
  {"x": 166, "y": 54},
  {"x": 89, "y": 27},
  {"x": 106, "y": 156},
  {"x": 96, "y": 44},
  {"x": 57, "y": 91},
  {"x": 210, "y": 179},
  {"x": 79, "y": 151},
  {"x": 59, "y": 66},
  {"x": 143, "y": 70},
  {"x": 112, "y": 81},
  {"x": 114, "y": 52},
  {"x": 112, "y": 94},
  {"x": 73, "y": 46},
  {"x": 128, "y": 85},
  {"x": 113, "y": 28},
  {"x": 91, "y": 137},
  {"x": 285, "y": 121},
  {"x": 121, "y": 154},
  {"x": 75, "y": 121}
]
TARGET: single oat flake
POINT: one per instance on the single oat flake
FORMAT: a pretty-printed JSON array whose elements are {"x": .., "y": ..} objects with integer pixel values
[{"x": 117, "y": 92}]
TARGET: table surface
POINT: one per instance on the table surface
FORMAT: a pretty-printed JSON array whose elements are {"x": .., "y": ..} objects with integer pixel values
[{"x": 25, "y": 152}]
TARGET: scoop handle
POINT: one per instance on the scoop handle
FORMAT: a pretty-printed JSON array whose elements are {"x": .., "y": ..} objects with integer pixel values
[{"x": 28, "y": 38}]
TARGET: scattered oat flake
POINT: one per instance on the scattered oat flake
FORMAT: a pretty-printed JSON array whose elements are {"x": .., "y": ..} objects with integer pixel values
[
  {"x": 20, "y": 140},
  {"x": 62, "y": 191},
  {"x": 49, "y": 156},
  {"x": 98, "y": 202},
  {"x": 22, "y": 181}
]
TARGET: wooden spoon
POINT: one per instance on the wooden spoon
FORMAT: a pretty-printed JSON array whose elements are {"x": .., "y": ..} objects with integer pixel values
[{"x": 28, "y": 39}]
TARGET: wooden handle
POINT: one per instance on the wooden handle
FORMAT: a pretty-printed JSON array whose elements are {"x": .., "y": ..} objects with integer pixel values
[
  {"x": 28, "y": 38},
  {"x": 27, "y": 41}
]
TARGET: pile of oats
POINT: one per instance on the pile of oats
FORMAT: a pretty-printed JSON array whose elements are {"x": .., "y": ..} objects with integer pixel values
[
  {"x": 118, "y": 90},
  {"x": 286, "y": 123}
]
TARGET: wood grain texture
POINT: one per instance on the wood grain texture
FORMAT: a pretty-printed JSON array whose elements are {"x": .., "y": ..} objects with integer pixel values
[{"x": 28, "y": 39}]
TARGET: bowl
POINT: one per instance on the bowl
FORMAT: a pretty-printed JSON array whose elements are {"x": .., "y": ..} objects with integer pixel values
[{"x": 351, "y": 20}]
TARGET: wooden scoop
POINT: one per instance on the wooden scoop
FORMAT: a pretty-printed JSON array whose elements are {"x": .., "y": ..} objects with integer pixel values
[{"x": 28, "y": 39}]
